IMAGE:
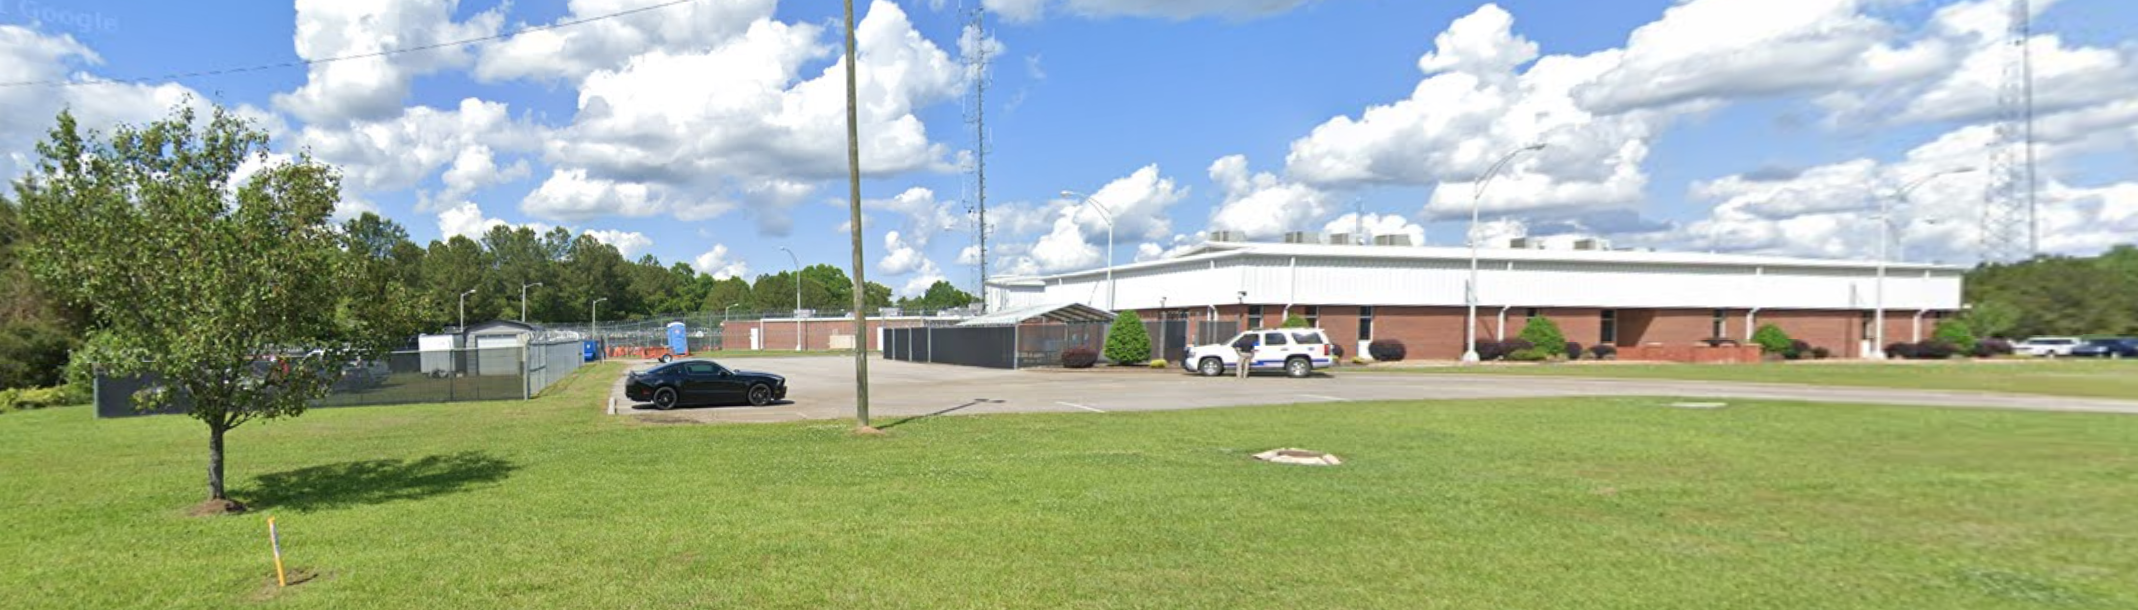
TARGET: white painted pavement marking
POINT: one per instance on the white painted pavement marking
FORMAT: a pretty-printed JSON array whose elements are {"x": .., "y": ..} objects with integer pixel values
[
  {"x": 1327, "y": 398},
  {"x": 1071, "y": 404}
]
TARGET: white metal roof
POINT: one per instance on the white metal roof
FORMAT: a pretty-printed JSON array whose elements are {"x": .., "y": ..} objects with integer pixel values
[
  {"x": 1058, "y": 312},
  {"x": 1221, "y": 250}
]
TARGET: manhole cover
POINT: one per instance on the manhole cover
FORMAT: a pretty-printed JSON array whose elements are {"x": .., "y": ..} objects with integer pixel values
[
  {"x": 1699, "y": 405},
  {"x": 1301, "y": 457}
]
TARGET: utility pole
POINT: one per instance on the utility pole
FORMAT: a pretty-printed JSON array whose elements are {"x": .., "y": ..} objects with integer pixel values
[
  {"x": 853, "y": 185},
  {"x": 464, "y": 313},
  {"x": 976, "y": 65},
  {"x": 523, "y": 299}
]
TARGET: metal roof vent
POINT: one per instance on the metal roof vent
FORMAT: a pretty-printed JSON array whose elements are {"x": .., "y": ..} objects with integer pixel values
[
  {"x": 1227, "y": 236},
  {"x": 1526, "y": 243},
  {"x": 1302, "y": 237},
  {"x": 1391, "y": 240},
  {"x": 1591, "y": 243},
  {"x": 1342, "y": 239}
]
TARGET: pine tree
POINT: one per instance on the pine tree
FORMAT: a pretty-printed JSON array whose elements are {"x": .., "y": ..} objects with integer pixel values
[
  {"x": 1772, "y": 339},
  {"x": 1126, "y": 341},
  {"x": 1545, "y": 340}
]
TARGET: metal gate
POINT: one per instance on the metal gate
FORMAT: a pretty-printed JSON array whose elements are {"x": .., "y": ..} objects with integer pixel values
[{"x": 982, "y": 346}]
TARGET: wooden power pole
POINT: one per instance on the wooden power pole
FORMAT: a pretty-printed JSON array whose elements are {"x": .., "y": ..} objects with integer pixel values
[{"x": 853, "y": 183}]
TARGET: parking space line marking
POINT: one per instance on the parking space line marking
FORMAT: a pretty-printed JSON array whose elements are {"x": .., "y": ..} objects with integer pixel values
[
  {"x": 1329, "y": 398},
  {"x": 1071, "y": 404}
]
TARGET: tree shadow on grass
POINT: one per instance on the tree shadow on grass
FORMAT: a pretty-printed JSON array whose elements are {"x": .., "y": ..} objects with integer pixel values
[{"x": 349, "y": 484}]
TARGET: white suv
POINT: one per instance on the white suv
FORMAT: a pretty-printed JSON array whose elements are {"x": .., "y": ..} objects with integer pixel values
[
  {"x": 2048, "y": 347},
  {"x": 1296, "y": 351}
]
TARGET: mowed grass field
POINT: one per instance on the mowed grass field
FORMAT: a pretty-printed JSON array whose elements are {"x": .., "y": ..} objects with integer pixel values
[
  {"x": 1606, "y": 503},
  {"x": 2065, "y": 377}
]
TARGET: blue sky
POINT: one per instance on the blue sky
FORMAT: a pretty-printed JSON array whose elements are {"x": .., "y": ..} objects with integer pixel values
[{"x": 693, "y": 133}]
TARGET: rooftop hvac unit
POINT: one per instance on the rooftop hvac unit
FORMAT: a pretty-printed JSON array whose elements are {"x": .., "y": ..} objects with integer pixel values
[
  {"x": 1391, "y": 240},
  {"x": 1342, "y": 239},
  {"x": 889, "y": 312},
  {"x": 1302, "y": 237},
  {"x": 1591, "y": 243},
  {"x": 1526, "y": 243},
  {"x": 1227, "y": 236}
]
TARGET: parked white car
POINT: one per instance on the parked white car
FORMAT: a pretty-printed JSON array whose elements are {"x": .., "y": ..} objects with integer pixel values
[
  {"x": 1296, "y": 351},
  {"x": 2048, "y": 347}
]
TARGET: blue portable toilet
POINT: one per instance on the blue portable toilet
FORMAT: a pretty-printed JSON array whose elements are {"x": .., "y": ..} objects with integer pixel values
[
  {"x": 678, "y": 342},
  {"x": 592, "y": 350}
]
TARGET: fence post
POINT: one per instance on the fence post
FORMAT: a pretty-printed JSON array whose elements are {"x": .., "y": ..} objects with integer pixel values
[
  {"x": 526, "y": 383},
  {"x": 1016, "y": 347},
  {"x": 931, "y": 345}
]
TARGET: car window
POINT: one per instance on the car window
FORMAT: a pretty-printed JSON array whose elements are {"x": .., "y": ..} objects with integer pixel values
[
  {"x": 698, "y": 368},
  {"x": 1307, "y": 338},
  {"x": 1274, "y": 339}
]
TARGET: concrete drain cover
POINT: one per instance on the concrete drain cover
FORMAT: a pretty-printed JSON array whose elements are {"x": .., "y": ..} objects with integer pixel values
[
  {"x": 1699, "y": 405},
  {"x": 1298, "y": 456}
]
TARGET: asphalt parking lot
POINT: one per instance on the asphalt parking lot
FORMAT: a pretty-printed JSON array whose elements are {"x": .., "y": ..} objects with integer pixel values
[{"x": 821, "y": 387}]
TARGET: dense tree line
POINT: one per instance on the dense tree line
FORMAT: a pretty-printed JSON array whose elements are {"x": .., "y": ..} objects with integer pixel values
[
  {"x": 2057, "y": 295},
  {"x": 575, "y": 270}
]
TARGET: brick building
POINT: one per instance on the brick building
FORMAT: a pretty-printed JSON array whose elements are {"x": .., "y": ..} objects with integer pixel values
[{"x": 1597, "y": 296}]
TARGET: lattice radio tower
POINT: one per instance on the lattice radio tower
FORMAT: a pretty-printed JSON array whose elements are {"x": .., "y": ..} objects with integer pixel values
[
  {"x": 976, "y": 60},
  {"x": 2011, "y": 228}
]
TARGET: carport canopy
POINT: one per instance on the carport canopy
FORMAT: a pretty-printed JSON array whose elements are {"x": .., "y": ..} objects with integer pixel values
[{"x": 1063, "y": 313}]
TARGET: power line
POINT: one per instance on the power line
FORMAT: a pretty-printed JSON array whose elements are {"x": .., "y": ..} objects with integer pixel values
[{"x": 327, "y": 60}]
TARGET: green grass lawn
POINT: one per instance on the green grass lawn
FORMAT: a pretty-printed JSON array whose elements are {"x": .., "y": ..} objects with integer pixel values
[
  {"x": 2095, "y": 379},
  {"x": 1606, "y": 503}
]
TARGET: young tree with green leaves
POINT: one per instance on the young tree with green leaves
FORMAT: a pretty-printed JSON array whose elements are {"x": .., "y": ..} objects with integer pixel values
[
  {"x": 1545, "y": 339},
  {"x": 1772, "y": 339},
  {"x": 1126, "y": 340},
  {"x": 1955, "y": 331},
  {"x": 240, "y": 301}
]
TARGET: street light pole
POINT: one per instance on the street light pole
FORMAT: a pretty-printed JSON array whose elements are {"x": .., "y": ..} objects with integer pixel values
[
  {"x": 1885, "y": 230},
  {"x": 593, "y": 321},
  {"x": 464, "y": 312},
  {"x": 797, "y": 297},
  {"x": 1477, "y": 197},
  {"x": 1108, "y": 215},
  {"x": 523, "y": 299}
]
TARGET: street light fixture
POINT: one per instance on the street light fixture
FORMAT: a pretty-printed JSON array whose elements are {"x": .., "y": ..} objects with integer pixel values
[
  {"x": 1108, "y": 216},
  {"x": 1885, "y": 232},
  {"x": 797, "y": 297},
  {"x": 1477, "y": 197},
  {"x": 523, "y": 299}
]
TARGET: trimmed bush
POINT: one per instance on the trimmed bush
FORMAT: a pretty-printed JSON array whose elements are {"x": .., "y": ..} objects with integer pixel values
[
  {"x": 1719, "y": 342},
  {"x": 1603, "y": 352},
  {"x": 1992, "y": 347},
  {"x": 1544, "y": 338},
  {"x": 1573, "y": 351},
  {"x": 1079, "y": 358},
  {"x": 1956, "y": 333},
  {"x": 1820, "y": 353},
  {"x": 1772, "y": 340},
  {"x": 1534, "y": 354},
  {"x": 1488, "y": 351},
  {"x": 1126, "y": 341},
  {"x": 1158, "y": 363},
  {"x": 1901, "y": 350},
  {"x": 1294, "y": 321},
  {"x": 1336, "y": 351},
  {"x": 24, "y": 399},
  {"x": 1510, "y": 346},
  {"x": 1935, "y": 350},
  {"x": 1798, "y": 350},
  {"x": 1386, "y": 350}
]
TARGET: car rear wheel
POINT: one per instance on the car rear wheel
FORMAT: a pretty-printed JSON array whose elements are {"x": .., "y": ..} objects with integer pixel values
[
  {"x": 664, "y": 399},
  {"x": 760, "y": 395},
  {"x": 1298, "y": 367},
  {"x": 1211, "y": 367}
]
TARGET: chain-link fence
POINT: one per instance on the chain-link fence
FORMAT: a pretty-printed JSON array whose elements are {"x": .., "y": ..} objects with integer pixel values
[
  {"x": 705, "y": 331},
  {"x": 407, "y": 377}
]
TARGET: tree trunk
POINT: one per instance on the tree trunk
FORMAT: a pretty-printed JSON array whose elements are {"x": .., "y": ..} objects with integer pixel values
[{"x": 215, "y": 462}]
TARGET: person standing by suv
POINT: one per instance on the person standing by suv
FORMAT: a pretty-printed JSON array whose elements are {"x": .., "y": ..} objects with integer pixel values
[{"x": 1246, "y": 347}]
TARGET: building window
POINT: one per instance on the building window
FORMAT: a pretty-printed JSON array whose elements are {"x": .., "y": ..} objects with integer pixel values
[
  {"x": 1313, "y": 316},
  {"x": 1254, "y": 316},
  {"x": 1365, "y": 323},
  {"x": 1608, "y": 333},
  {"x": 1721, "y": 326}
]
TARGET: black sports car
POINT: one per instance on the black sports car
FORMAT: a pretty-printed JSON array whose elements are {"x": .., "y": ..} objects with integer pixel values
[{"x": 700, "y": 382}]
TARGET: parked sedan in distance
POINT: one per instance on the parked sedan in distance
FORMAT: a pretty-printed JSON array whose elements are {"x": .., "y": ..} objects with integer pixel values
[
  {"x": 2047, "y": 347},
  {"x": 703, "y": 382},
  {"x": 2121, "y": 347}
]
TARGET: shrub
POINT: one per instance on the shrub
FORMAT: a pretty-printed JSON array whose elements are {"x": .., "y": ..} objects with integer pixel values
[
  {"x": 1510, "y": 346},
  {"x": 1386, "y": 350},
  {"x": 1336, "y": 351},
  {"x": 1820, "y": 353},
  {"x": 1158, "y": 363},
  {"x": 24, "y": 399},
  {"x": 1955, "y": 332},
  {"x": 1294, "y": 321},
  {"x": 1488, "y": 351},
  {"x": 1361, "y": 361},
  {"x": 1992, "y": 348},
  {"x": 1533, "y": 354},
  {"x": 1573, "y": 351},
  {"x": 1719, "y": 342},
  {"x": 1603, "y": 352},
  {"x": 1901, "y": 350},
  {"x": 1798, "y": 350},
  {"x": 1126, "y": 341},
  {"x": 1772, "y": 340},
  {"x": 1544, "y": 336},
  {"x": 1079, "y": 358}
]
